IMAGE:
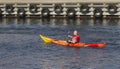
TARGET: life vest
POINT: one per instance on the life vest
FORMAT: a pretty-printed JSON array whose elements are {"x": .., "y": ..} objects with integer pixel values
[{"x": 76, "y": 38}]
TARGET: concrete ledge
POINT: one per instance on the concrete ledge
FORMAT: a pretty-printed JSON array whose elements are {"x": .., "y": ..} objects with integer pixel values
[{"x": 59, "y": 1}]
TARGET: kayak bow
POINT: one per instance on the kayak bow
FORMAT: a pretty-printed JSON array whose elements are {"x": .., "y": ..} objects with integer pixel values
[
  {"x": 65, "y": 43},
  {"x": 45, "y": 39}
]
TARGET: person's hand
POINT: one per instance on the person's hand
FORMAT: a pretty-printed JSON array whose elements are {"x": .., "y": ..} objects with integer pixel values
[{"x": 70, "y": 36}]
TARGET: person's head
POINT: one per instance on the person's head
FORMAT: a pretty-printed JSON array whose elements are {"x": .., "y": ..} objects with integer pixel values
[{"x": 75, "y": 32}]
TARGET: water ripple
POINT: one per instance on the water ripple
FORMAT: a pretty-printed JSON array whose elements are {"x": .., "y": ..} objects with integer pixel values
[{"x": 21, "y": 47}]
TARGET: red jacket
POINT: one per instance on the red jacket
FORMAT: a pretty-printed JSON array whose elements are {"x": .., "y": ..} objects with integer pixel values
[{"x": 76, "y": 38}]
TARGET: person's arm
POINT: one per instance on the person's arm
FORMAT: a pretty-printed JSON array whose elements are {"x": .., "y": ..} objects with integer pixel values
[
  {"x": 69, "y": 36},
  {"x": 73, "y": 40}
]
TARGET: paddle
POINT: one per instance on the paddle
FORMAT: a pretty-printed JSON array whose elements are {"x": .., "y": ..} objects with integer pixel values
[{"x": 68, "y": 36}]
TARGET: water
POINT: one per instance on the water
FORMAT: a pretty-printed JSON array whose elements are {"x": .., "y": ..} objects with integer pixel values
[{"x": 21, "y": 47}]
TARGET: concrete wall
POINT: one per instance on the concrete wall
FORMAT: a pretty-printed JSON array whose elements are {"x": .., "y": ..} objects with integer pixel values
[{"x": 93, "y": 8}]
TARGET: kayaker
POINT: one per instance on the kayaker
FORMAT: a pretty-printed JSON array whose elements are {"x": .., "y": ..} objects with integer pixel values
[{"x": 75, "y": 37}]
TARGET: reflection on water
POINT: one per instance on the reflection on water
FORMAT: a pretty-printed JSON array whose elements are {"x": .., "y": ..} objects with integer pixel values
[{"x": 60, "y": 22}]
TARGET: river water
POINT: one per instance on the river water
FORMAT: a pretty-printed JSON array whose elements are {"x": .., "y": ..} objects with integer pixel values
[{"x": 21, "y": 47}]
